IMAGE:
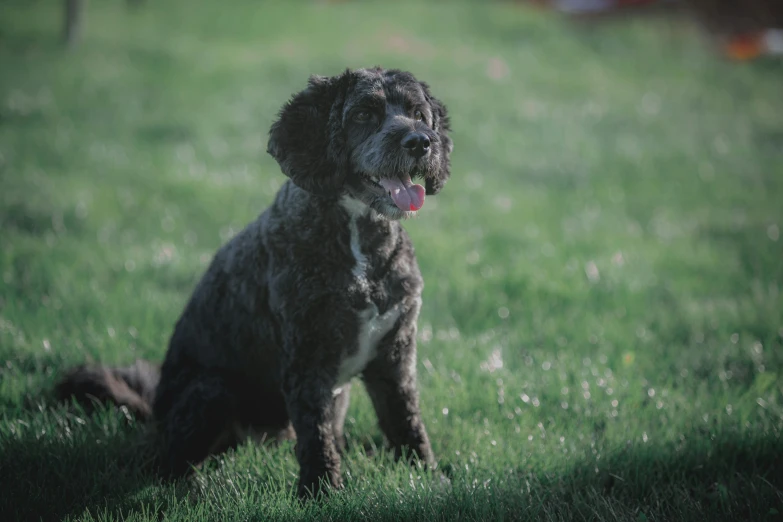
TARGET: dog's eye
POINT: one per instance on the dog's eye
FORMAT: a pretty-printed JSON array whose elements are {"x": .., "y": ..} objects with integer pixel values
[
  {"x": 418, "y": 116},
  {"x": 362, "y": 116}
]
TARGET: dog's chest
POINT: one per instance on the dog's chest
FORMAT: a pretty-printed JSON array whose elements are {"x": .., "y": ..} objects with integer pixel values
[
  {"x": 372, "y": 325},
  {"x": 372, "y": 328}
]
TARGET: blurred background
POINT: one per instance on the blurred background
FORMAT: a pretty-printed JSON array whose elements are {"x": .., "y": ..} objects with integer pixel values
[{"x": 603, "y": 271}]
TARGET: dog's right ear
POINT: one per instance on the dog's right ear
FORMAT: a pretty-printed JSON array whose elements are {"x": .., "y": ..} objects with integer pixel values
[{"x": 307, "y": 139}]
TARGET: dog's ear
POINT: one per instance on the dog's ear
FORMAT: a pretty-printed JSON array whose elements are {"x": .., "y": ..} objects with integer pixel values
[
  {"x": 307, "y": 139},
  {"x": 442, "y": 126}
]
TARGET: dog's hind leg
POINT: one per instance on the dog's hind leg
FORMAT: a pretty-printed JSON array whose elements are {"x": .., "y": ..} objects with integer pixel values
[{"x": 194, "y": 418}]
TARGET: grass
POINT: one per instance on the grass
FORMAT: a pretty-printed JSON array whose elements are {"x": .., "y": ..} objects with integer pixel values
[{"x": 602, "y": 331}]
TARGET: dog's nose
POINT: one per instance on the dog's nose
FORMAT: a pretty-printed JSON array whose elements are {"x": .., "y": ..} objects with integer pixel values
[{"x": 416, "y": 143}]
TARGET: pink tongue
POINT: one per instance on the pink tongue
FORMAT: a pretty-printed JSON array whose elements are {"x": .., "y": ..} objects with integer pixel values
[{"x": 405, "y": 194}]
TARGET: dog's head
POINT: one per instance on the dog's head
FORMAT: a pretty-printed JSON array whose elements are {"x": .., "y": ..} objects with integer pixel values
[{"x": 368, "y": 133}]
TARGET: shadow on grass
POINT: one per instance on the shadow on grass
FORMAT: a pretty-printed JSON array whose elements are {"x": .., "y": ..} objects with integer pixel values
[
  {"x": 738, "y": 477},
  {"x": 95, "y": 465},
  {"x": 50, "y": 475},
  {"x": 702, "y": 477}
]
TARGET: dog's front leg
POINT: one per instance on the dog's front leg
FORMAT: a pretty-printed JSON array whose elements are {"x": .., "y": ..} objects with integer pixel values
[
  {"x": 390, "y": 380},
  {"x": 308, "y": 394}
]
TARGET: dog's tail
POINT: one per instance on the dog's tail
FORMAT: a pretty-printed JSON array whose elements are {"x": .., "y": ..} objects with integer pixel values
[{"x": 131, "y": 386}]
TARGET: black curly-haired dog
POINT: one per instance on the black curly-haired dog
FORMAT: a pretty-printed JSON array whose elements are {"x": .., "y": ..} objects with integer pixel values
[{"x": 322, "y": 287}]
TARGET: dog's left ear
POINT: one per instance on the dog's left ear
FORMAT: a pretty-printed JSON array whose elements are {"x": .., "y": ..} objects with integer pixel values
[
  {"x": 307, "y": 139},
  {"x": 441, "y": 125}
]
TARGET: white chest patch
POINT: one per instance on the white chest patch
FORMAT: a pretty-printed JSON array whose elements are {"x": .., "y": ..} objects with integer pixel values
[
  {"x": 356, "y": 209},
  {"x": 372, "y": 325},
  {"x": 360, "y": 267},
  {"x": 372, "y": 328}
]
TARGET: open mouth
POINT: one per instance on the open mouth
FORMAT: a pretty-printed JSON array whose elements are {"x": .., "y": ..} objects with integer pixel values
[{"x": 406, "y": 195}]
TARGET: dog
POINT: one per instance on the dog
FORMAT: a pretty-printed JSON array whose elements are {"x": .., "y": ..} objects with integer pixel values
[{"x": 323, "y": 286}]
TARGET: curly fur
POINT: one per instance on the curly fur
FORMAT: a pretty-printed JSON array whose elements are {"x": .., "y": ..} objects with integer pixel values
[{"x": 323, "y": 286}]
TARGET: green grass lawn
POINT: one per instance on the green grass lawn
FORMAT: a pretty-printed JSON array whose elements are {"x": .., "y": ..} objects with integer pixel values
[{"x": 602, "y": 330}]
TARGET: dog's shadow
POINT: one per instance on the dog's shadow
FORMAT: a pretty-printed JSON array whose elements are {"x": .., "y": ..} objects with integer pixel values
[{"x": 60, "y": 462}]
